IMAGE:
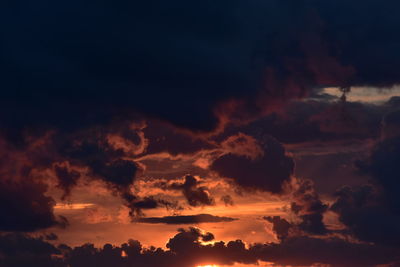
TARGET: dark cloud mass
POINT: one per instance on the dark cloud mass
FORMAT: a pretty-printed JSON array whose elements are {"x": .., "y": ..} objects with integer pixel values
[
  {"x": 308, "y": 206},
  {"x": 186, "y": 219},
  {"x": 161, "y": 59},
  {"x": 25, "y": 207},
  {"x": 107, "y": 93},
  {"x": 195, "y": 195},
  {"x": 280, "y": 226},
  {"x": 185, "y": 249},
  {"x": 267, "y": 171}
]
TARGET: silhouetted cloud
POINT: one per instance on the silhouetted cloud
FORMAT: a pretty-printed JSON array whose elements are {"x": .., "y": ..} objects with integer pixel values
[
  {"x": 267, "y": 171},
  {"x": 308, "y": 207},
  {"x": 371, "y": 211},
  {"x": 186, "y": 219},
  {"x": 280, "y": 226},
  {"x": 22, "y": 250},
  {"x": 25, "y": 207},
  {"x": 195, "y": 195},
  {"x": 186, "y": 249}
]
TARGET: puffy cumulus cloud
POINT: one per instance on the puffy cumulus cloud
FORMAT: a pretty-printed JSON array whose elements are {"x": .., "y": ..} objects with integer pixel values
[
  {"x": 242, "y": 145},
  {"x": 383, "y": 167},
  {"x": 308, "y": 207},
  {"x": 371, "y": 212},
  {"x": 367, "y": 216},
  {"x": 268, "y": 171},
  {"x": 195, "y": 195},
  {"x": 186, "y": 219},
  {"x": 23, "y": 250},
  {"x": 189, "y": 239},
  {"x": 190, "y": 247},
  {"x": 178, "y": 61},
  {"x": 306, "y": 251},
  {"x": 280, "y": 226}
]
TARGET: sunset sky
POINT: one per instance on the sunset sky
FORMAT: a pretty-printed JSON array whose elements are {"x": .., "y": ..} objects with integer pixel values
[{"x": 205, "y": 133}]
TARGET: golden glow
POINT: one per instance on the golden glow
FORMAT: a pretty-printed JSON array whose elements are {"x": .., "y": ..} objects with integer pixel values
[
  {"x": 207, "y": 265},
  {"x": 75, "y": 206}
]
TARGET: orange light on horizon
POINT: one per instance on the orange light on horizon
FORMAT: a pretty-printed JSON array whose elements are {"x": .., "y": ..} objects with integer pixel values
[{"x": 209, "y": 265}]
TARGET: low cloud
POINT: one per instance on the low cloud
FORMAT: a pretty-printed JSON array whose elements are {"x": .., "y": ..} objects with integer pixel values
[{"x": 186, "y": 219}]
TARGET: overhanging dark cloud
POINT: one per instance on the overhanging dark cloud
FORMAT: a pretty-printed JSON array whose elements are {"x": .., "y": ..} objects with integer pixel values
[{"x": 176, "y": 61}]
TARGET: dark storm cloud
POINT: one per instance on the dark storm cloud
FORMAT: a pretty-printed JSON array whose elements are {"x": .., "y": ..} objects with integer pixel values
[
  {"x": 383, "y": 166},
  {"x": 366, "y": 214},
  {"x": 25, "y": 207},
  {"x": 371, "y": 212},
  {"x": 177, "y": 60},
  {"x": 186, "y": 219},
  {"x": 76, "y": 67},
  {"x": 266, "y": 172},
  {"x": 321, "y": 120}
]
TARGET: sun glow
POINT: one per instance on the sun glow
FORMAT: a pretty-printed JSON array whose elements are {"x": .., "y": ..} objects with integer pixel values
[{"x": 207, "y": 265}]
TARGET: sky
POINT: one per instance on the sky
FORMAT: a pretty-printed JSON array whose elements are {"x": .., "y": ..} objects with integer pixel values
[{"x": 200, "y": 133}]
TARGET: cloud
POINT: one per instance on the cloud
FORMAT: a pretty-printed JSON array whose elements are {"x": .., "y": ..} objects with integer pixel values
[
  {"x": 67, "y": 178},
  {"x": 268, "y": 171},
  {"x": 280, "y": 226},
  {"x": 367, "y": 216},
  {"x": 187, "y": 248},
  {"x": 25, "y": 207},
  {"x": 308, "y": 207},
  {"x": 195, "y": 195},
  {"x": 178, "y": 67},
  {"x": 305, "y": 251},
  {"x": 228, "y": 200},
  {"x": 186, "y": 219},
  {"x": 22, "y": 250}
]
